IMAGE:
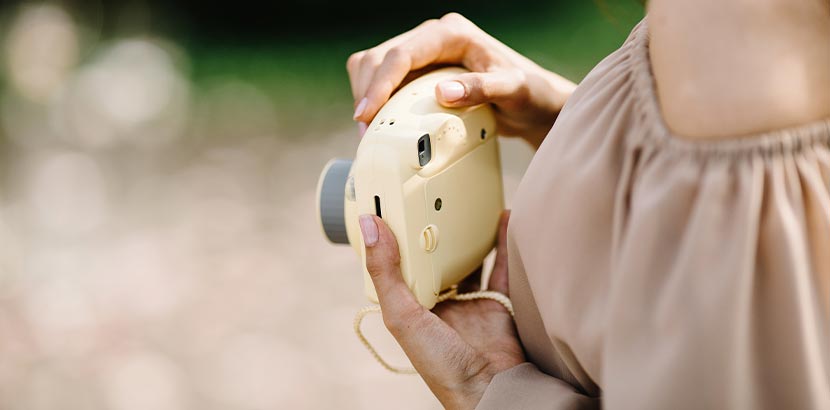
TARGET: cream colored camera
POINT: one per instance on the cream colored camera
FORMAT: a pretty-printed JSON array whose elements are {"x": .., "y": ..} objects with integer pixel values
[{"x": 433, "y": 174}]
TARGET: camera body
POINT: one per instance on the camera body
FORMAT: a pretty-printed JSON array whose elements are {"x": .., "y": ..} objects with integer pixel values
[{"x": 433, "y": 174}]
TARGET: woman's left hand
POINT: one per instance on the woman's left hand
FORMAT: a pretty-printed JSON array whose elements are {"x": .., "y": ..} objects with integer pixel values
[{"x": 457, "y": 347}]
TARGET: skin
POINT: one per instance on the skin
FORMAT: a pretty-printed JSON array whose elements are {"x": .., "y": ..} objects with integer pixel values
[
  {"x": 723, "y": 69},
  {"x": 527, "y": 98},
  {"x": 740, "y": 67},
  {"x": 457, "y": 347}
]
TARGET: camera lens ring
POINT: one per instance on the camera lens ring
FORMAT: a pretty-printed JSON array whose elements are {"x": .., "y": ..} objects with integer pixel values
[{"x": 331, "y": 196}]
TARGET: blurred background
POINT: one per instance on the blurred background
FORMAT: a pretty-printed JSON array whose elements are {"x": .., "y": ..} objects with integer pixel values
[{"x": 159, "y": 247}]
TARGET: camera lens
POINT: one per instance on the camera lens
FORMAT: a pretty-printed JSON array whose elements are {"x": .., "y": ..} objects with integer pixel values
[{"x": 331, "y": 193}]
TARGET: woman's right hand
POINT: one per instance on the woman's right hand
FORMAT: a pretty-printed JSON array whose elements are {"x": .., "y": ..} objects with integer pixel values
[{"x": 527, "y": 98}]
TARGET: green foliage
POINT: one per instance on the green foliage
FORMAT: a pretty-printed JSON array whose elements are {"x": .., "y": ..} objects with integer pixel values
[{"x": 307, "y": 81}]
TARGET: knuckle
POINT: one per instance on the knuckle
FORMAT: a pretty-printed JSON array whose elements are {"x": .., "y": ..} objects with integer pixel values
[
  {"x": 454, "y": 17},
  {"x": 353, "y": 62},
  {"x": 457, "y": 29},
  {"x": 402, "y": 318},
  {"x": 479, "y": 86},
  {"x": 521, "y": 90},
  {"x": 371, "y": 59},
  {"x": 514, "y": 75},
  {"x": 396, "y": 53},
  {"x": 487, "y": 90},
  {"x": 392, "y": 322},
  {"x": 397, "y": 56},
  {"x": 457, "y": 24},
  {"x": 380, "y": 264},
  {"x": 513, "y": 82}
]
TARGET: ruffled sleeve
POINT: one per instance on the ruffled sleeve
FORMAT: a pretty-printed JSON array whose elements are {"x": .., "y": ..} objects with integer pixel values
[
  {"x": 667, "y": 272},
  {"x": 525, "y": 387}
]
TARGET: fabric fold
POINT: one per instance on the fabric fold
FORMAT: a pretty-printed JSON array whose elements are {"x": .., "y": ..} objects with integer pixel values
[{"x": 675, "y": 273}]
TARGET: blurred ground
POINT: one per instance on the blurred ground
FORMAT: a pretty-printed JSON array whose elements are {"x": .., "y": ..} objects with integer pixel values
[{"x": 158, "y": 243}]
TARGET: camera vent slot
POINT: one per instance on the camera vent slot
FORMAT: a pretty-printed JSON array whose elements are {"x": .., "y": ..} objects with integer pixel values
[{"x": 377, "y": 207}]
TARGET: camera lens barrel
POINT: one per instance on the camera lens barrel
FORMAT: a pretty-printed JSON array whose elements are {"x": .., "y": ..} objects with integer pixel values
[{"x": 331, "y": 196}]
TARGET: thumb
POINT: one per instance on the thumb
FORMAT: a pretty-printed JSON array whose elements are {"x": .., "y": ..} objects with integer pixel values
[
  {"x": 478, "y": 88},
  {"x": 383, "y": 261}
]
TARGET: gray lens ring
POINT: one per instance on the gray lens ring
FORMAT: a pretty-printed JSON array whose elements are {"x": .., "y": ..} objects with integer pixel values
[{"x": 332, "y": 195}]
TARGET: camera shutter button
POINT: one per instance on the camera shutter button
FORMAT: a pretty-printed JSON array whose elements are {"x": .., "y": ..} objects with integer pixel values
[{"x": 429, "y": 238}]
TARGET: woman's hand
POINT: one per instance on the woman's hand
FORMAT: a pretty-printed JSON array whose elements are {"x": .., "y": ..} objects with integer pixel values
[
  {"x": 458, "y": 346},
  {"x": 527, "y": 97}
]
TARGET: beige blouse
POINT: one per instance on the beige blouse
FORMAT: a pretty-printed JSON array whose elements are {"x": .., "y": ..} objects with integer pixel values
[{"x": 653, "y": 272}]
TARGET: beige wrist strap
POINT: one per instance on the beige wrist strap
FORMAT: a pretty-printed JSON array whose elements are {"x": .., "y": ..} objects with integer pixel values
[{"x": 451, "y": 294}]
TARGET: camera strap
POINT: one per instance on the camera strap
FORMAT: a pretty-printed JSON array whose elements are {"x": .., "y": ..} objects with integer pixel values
[{"x": 451, "y": 294}]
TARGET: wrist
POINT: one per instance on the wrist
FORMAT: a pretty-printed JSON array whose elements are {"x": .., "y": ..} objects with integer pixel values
[
  {"x": 554, "y": 90},
  {"x": 467, "y": 394},
  {"x": 562, "y": 89},
  {"x": 467, "y": 397}
]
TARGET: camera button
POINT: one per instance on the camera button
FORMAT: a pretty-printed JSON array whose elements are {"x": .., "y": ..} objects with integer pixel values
[{"x": 429, "y": 238}]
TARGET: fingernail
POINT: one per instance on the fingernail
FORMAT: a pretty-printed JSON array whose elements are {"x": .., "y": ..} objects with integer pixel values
[
  {"x": 360, "y": 108},
  {"x": 369, "y": 230},
  {"x": 361, "y": 127},
  {"x": 451, "y": 90}
]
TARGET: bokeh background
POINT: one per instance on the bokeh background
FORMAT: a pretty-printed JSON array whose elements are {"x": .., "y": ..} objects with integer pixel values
[{"x": 158, "y": 160}]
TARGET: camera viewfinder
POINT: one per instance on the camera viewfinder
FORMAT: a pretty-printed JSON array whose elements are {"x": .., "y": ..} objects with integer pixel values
[{"x": 424, "y": 150}]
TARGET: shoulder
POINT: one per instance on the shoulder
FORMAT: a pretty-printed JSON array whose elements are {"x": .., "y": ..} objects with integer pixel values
[{"x": 730, "y": 68}]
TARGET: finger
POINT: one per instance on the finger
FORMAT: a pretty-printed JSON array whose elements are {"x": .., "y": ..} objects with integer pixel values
[
  {"x": 499, "y": 278},
  {"x": 360, "y": 75},
  {"x": 383, "y": 259},
  {"x": 368, "y": 65},
  {"x": 433, "y": 347},
  {"x": 478, "y": 88},
  {"x": 388, "y": 76},
  {"x": 353, "y": 68},
  {"x": 435, "y": 43},
  {"x": 362, "y": 65}
]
